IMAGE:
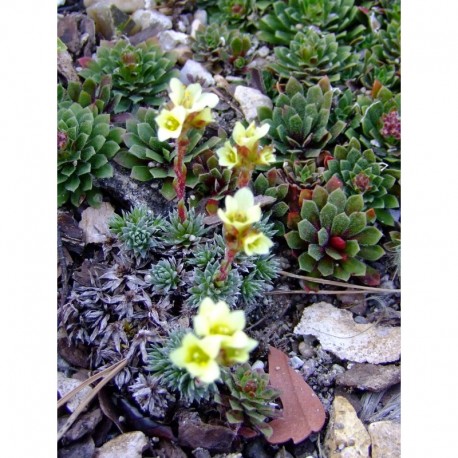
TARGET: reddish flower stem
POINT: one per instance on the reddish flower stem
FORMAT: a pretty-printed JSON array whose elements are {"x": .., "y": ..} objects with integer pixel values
[
  {"x": 180, "y": 171},
  {"x": 226, "y": 264},
  {"x": 244, "y": 178}
]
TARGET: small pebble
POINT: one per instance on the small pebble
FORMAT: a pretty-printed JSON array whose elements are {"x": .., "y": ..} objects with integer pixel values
[
  {"x": 258, "y": 365},
  {"x": 296, "y": 362},
  {"x": 360, "y": 320}
]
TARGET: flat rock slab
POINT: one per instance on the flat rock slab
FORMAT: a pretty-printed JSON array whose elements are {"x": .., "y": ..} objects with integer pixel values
[
  {"x": 339, "y": 334},
  {"x": 370, "y": 377},
  {"x": 128, "y": 445},
  {"x": 386, "y": 439},
  {"x": 95, "y": 221},
  {"x": 346, "y": 436},
  {"x": 65, "y": 385},
  {"x": 250, "y": 100}
]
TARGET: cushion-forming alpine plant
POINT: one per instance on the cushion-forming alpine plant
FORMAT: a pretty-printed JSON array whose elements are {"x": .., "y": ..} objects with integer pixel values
[
  {"x": 362, "y": 174},
  {"x": 190, "y": 108},
  {"x": 334, "y": 235},
  {"x": 139, "y": 73},
  {"x": 299, "y": 122},
  {"x": 219, "y": 339},
  {"x": 85, "y": 144}
]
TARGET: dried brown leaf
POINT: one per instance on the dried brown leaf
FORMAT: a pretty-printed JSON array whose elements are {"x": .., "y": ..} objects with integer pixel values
[{"x": 303, "y": 412}]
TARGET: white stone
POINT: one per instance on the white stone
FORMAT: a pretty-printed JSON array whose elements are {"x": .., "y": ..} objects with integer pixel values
[
  {"x": 386, "y": 439},
  {"x": 169, "y": 39},
  {"x": 194, "y": 72},
  {"x": 201, "y": 15},
  {"x": 128, "y": 445},
  {"x": 195, "y": 26},
  {"x": 65, "y": 385},
  {"x": 346, "y": 436},
  {"x": 148, "y": 18},
  {"x": 338, "y": 333},
  {"x": 94, "y": 223},
  {"x": 127, "y": 6},
  {"x": 263, "y": 51},
  {"x": 250, "y": 100}
]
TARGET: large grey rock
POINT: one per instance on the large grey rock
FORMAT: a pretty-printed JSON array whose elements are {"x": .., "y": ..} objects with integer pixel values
[
  {"x": 169, "y": 39},
  {"x": 370, "y": 377},
  {"x": 194, "y": 72},
  {"x": 250, "y": 100},
  {"x": 126, "y": 6},
  {"x": 386, "y": 439},
  {"x": 339, "y": 334},
  {"x": 148, "y": 18},
  {"x": 346, "y": 436},
  {"x": 128, "y": 445}
]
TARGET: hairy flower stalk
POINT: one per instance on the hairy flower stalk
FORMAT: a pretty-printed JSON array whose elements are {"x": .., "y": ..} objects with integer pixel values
[
  {"x": 180, "y": 170},
  {"x": 239, "y": 234},
  {"x": 191, "y": 109}
]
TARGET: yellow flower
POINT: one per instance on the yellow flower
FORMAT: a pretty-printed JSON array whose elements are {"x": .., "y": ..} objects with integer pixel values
[
  {"x": 191, "y": 97},
  {"x": 266, "y": 155},
  {"x": 256, "y": 243},
  {"x": 237, "y": 348},
  {"x": 217, "y": 319},
  {"x": 170, "y": 123},
  {"x": 201, "y": 119},
  {"x": 227, "y": 155},
  {"x": 240, "y": 210},
  {"x": 198, "y": 357},
  {"x": 249, "y": 136}
]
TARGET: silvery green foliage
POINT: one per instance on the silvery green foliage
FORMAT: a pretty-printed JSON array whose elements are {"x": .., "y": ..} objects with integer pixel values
[
  {"x": 204, "y": 285},
  {"x": 165, "y": 275},
  {"x": 174, "y": 378},
  {"x": 184, "y": 233},
  {"x": 150, "y": 395},
  {"x": 137, "y": 230},
  {"x": 204, "y": 254}
]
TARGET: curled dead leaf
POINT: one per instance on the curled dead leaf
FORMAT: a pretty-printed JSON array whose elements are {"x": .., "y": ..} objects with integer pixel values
[{"x": 303, "y": 412}]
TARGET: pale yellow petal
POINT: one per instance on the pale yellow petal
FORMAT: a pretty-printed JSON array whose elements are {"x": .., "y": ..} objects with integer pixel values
[
  {"x": 231, "y": 204},
  {"x": 238, "y": 134},
  {"x": 256, "y": 243},
  {"x": 262, "y": 130},
  {"x": 244, "y": 199},
  {"x": 211, "y": 373},
  {"x": 202, "y": 119},
  {"x": 177, "y": 91},
  {"x": 208, "y": 99}
]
